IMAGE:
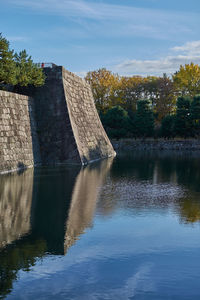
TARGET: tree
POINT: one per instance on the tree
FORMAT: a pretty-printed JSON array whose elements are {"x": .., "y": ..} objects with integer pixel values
[
  {"x": 161, "y": 92},
  {"x": 167, "y": 126},
  {"x": 183, "y": 124},
  {"x": 7, "y": 64},
  {"x": 195, "y": 114},
  {"x": 116, "y": 122},
  {"x": 144, "y": 119},
  {"x": 27, "y": 73},
  {"x": 130, "y": 91},
  {"x": 104, "y": 86},
  {"x": 187, "y": 80},
  {"x": 165, "y": 100}
]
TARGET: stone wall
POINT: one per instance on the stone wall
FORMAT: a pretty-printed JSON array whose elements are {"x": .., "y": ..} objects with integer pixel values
[
  {"x": 59, "y": 124},
  {"x": 91, "y": 139},
  {"x": 57, "y": 142},
  {"x": 160, "y": 144},
  {"x": 68, "y": 124},
  {"x": 18, "y": 137}
]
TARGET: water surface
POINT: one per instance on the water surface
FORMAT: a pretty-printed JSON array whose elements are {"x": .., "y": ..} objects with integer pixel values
[{"x": 122, "y": 229}]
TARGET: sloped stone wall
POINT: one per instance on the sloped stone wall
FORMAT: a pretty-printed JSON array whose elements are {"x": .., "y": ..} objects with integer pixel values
[
  {"x": 56, "y": 139},
  {"x": 18, "y": 137},
  {"x": 58, "y": 125},
  {"x": 91, "y": 139},
  {"x": 68, "y": 124}
]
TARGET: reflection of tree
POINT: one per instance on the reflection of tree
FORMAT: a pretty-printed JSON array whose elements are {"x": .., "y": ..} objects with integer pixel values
[
  {"x": 142, "y": 179},
  {"x": 189, "y": 210},
  {"x": 22, "y": 255},
  {"x": 141, "y": 165}
]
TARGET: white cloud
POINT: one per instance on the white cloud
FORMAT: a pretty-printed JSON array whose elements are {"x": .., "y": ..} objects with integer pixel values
[
  {"x": 192, "y": 48},
  {"x": 168, "y": 64}
]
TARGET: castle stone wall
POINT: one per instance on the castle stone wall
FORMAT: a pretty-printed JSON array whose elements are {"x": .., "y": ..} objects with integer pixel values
[
  {"x": 91, "y": 139},
  {"x": 18, "y": 137},
  {"x": 59, "y": 124},
  {"x": 68, "y": 124}
]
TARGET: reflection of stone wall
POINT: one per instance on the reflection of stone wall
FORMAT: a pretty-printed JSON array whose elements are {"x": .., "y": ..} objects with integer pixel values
[
  {"x": 84, "y": 200},
  {"x": 15, "y": 206},
  {"x": 17, "y": 131}
]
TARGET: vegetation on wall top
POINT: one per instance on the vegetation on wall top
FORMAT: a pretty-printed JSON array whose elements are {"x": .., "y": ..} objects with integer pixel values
[{"x": 17, "y": 69}]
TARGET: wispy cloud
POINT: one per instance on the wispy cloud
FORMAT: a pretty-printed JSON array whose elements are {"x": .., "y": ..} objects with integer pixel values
[
  {"x": 118, "y": 19},
  {"x": 111, "y": 31},
  {"x": 18, "y": 38},
  {"x": 141, "y": 280},
  {"x": 187, "y": 53},
  {"x": 168, "y": 65},
  {"x": 192, "y": 48}
]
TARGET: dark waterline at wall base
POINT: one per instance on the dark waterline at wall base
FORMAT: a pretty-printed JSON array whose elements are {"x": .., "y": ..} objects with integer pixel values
[{"x": 156, "y": 144}]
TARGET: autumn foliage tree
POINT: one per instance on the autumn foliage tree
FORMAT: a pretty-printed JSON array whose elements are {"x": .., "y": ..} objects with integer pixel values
[
  {"x": 104, "y": 86},
  {"x": 131, "y": 89},
  {"x": 187, "y": 80}
]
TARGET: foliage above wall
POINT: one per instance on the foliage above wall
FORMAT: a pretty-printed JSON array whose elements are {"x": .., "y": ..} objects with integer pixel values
[
  {"x": 149, "y": 103},
  {"x": 18, "y": 69},
  {"x": 110, "y": 89}
]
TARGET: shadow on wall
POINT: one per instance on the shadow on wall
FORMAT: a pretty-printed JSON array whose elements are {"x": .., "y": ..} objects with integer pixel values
[
  {"x": 34, "y": 132},
  {"x": 97, "y": 153},
  {"x": 21, "y": 168},
  {"x": 44, "y": 211}
]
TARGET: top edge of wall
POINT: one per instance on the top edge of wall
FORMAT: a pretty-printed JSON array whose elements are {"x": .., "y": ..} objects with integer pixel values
[
  {"x": 65, "y": 71},
  {"x": 7, "y": 94}
]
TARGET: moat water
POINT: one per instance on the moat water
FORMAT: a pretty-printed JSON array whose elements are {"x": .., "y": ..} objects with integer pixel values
[{"x": 127, "y": 228}]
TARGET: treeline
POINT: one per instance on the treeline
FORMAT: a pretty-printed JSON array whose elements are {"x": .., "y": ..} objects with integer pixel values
[
  {"x": 17, "y": 69},
  {"x": 148, "y": 106}
]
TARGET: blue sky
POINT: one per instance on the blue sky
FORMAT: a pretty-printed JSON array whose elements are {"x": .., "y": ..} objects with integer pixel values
[{"x": 130, "y": 37}]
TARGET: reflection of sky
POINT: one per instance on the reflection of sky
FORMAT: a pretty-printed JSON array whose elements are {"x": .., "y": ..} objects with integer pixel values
[
  {"x": 135, "y": 247},
  {"x": 119, "y": 258}
]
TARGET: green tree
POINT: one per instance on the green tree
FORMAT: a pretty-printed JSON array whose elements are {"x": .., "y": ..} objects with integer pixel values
[
  {"x": 144, "y": 119},
  {"x": 195, "y": 115},
  {"x": 7, "y": 64},
  {"x": 183, "y": 126},
  {"x": 27, "y": 73},
  {"x": 116, "y": 122},
  {"x": 167, "y": 126}
]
